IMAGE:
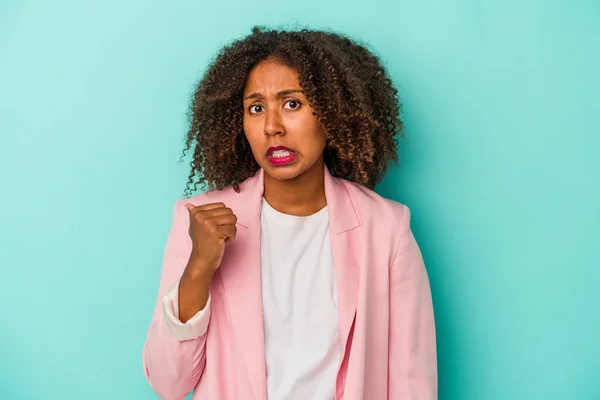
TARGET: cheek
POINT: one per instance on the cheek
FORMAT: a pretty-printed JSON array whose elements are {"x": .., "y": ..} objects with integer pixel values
[
  {"x": 252, "y": 133},
  {"x": 246, "y": 126}
]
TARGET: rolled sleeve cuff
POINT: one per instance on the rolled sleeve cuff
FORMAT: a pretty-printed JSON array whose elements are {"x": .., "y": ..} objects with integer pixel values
[{"x": 193, "y": 328}]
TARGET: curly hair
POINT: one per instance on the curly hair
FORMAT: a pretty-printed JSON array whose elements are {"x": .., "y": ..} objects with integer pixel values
[{"x": 345, "y": 83}]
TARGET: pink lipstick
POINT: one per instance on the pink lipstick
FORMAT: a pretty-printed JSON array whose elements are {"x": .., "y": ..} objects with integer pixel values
[{"x": 280, "y": 155}]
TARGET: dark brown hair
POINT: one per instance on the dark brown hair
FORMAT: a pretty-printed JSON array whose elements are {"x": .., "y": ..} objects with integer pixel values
[{"x": 345, "y": 83}]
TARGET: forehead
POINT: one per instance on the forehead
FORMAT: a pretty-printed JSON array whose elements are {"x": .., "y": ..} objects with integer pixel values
[{"x": 270, "y": 76}]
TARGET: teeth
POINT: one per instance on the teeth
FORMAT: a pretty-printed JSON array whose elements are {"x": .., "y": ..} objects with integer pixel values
[{"x": 280, "y": 153}]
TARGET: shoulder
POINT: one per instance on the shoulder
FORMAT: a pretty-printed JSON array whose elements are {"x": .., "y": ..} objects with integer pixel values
[
  {"x": 213, "y": 196},
  {"x": 371, "y": 205},
  {"x": 387, "y": 219},
  {"x": 239, "y": 200}
]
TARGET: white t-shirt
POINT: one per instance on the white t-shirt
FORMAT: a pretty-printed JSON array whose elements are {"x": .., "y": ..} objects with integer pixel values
[
  {"x": 302, "y": 348},
  {"x": 299, "y": 292}
]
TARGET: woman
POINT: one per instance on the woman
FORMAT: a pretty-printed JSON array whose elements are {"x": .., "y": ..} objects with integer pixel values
[{"x": 291, "y": 278}]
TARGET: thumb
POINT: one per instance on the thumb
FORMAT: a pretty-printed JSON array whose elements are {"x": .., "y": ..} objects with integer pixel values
[{"x": 189, "y": 206}]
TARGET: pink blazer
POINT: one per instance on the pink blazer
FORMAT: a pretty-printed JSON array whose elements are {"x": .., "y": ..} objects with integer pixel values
[{"x": 386, "y": 320}]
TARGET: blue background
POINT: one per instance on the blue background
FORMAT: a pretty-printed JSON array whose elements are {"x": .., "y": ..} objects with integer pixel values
[{"x": 500, "y": 169}]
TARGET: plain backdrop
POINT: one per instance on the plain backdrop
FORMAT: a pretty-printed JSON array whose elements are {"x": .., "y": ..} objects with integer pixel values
[{"x": 500, "y": 169}]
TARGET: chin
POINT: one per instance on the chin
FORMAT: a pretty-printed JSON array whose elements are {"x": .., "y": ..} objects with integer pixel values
[
  {"x": 281, "y": 174},
  {"x": 284, "y": 173}
]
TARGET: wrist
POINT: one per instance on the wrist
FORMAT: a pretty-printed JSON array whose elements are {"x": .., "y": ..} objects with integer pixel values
[{"x": 197, "y": 273}]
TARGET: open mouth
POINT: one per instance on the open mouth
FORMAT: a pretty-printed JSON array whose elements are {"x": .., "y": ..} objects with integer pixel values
[
  {"x": 280, "y": 155},
  {"x": 279, "y": 152}
]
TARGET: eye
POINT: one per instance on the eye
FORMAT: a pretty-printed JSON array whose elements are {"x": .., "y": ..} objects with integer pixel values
[
  {"x": 294, "y": 104},
  {"x": 253, "y": 108}
]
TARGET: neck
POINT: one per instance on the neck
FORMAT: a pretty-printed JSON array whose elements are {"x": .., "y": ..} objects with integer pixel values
[{"x": 301, "y": 196}]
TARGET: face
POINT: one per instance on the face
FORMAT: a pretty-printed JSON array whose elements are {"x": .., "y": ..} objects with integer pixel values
[{"x": 286, "y": 138}]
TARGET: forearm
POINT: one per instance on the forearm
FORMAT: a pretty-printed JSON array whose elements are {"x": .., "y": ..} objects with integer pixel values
[{"x": 193, "y": 290}]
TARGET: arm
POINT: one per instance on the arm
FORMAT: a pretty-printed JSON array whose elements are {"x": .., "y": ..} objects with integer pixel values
[
  {"x": 412, "y": 372},
  {"x": 174, "y": 352}
]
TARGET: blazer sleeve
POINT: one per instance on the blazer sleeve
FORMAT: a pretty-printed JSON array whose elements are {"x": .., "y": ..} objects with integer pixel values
[
  {"x": 191, "y": 329},
  {"x": 173, "y": 364},
  {"x": 412, "y": 369}
]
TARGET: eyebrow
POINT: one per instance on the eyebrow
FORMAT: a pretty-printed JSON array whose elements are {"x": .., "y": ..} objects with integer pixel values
[{"x": 283, "y": 93}]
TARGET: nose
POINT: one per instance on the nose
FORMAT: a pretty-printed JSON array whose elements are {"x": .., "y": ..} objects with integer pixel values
[{"x": 273, "y": 123}]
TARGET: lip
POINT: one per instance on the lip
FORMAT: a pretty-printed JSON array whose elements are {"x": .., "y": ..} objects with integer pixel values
[{"x": 280, "y": 161}]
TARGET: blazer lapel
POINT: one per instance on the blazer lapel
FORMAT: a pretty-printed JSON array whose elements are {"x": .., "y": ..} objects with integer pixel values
[
  {"x": 241, "y": 275},
  {"x": 345, "y": 248}
]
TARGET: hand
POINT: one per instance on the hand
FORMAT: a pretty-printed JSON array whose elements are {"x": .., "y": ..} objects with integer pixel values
[{"x": 211, "y": 225}]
